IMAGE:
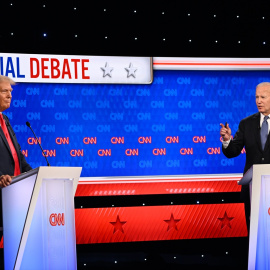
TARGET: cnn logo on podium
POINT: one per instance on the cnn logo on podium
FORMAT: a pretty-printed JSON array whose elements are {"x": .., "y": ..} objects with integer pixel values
[{"x": 57, "y": 219}]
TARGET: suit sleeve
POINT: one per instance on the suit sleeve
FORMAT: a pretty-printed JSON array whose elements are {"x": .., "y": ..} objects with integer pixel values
[{"x": 237, "y": 144}]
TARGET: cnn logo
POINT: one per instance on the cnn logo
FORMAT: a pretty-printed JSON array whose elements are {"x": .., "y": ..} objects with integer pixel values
[{"x": 57, "y": 219}]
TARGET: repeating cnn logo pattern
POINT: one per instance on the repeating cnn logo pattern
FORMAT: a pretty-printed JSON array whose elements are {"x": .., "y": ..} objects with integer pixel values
[
  {"x": 169, "y": 127},
  {"x": 57, "y": 219}
]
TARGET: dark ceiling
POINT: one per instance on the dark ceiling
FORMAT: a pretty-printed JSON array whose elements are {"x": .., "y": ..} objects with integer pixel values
[{"x": 131, "y": 28}]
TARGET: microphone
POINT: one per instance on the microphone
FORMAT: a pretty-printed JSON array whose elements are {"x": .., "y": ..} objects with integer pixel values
[{"x": 28, "y": 124}]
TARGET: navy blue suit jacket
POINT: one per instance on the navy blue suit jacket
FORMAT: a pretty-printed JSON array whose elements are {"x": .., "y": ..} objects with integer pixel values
[{"x": 248, "y": 136}]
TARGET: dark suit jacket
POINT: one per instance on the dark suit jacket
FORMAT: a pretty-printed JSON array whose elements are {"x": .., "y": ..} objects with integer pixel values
[
  {"x": 248, "y": 136},
  {"x": 6, "y": 159}
]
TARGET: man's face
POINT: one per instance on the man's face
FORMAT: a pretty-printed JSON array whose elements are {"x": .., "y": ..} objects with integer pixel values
[
  {"x": 263, "y": 99},
  {"x": 5, "y": 95}
]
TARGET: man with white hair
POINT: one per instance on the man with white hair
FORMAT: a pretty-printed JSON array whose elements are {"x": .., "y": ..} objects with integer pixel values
[{"x": 252, "y": 134}]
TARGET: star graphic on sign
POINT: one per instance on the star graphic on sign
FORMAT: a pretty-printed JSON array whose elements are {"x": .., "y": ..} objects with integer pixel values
[
  {"x": 131, "y": 70},
  {"x": 107, "y": 70},
  {"x": 172, "y": 223},
  {"x": 225, "y": 221},
  {"x": 118, "y": 225}
]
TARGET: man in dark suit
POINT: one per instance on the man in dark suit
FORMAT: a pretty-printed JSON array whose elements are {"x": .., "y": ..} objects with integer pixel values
[
  {"x": 12, "y": 161},
  {"x": 248, "y": 135}
]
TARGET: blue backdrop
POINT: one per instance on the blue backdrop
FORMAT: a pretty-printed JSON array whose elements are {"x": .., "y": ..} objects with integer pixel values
[{"x": 170, "y": 127}]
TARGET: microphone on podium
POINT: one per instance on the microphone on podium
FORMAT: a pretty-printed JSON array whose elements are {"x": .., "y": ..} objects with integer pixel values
[{"x": 28, "y": 124}]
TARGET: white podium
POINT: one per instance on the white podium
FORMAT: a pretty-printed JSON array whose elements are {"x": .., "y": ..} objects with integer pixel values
[
  {"x": 258, "y": 177},
  {"x": 39, "y": 220}
]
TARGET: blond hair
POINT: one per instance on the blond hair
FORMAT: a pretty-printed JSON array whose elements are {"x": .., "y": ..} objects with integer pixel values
[{"x": 7, "y": 79}]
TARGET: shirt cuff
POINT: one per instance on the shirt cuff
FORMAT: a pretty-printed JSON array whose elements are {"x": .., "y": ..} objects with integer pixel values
[{"x": 225, "y": 143}]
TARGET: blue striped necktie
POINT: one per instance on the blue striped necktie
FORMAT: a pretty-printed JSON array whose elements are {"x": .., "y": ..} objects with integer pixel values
[{"x": 264, "y": 131}]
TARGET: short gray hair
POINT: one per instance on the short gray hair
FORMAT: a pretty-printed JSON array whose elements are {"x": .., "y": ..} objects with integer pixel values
[
  {"x": 263, "y": 84},
  {"x": 7, "y": 79}
]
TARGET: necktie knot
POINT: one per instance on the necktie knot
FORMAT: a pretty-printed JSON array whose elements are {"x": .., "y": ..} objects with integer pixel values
[{"x": 265, "y": 118}]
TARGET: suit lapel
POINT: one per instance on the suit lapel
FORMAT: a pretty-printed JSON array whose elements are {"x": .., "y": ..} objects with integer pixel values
[
  {"x": 4, "y": 139},
  {"x": 12, "y": 136},
  {"x": 10, "y": 131},
  {"x": 256, "y": 128}
]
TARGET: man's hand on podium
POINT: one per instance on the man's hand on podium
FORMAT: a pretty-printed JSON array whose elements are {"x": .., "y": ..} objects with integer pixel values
[{"x": 5, "y": 180}]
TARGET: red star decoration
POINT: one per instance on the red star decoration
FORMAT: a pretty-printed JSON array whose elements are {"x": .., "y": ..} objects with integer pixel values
[
  {"x": 118, "y": 225},
  {"x": 172, "y": 223},
  {"x": 226, "y": 220}
]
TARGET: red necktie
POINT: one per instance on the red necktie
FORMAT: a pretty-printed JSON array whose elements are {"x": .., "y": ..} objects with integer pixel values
[{"x": 17, "y": 170}]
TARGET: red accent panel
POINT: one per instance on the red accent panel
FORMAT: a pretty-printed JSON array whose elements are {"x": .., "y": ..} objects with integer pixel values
[
  {"x": 150, "y": 223},
  {"x": 143, "y": 187},
  {"x": 206, "y": 62}
]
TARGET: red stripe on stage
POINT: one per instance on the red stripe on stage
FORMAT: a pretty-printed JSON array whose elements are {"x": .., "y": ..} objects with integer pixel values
[
  {"x": 212, "y": 64},
  {"x": 157, "y": 187},
  {"x": 152, "y": 223}
]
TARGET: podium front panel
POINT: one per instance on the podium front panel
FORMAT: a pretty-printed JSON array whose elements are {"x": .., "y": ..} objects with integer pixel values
[
  {"x": 51, "y": 242},
  {"x": 39, "y": 220},
  {"x": 263, "y": 235},
  {"x": 259, "y": 236},
  {"x": 58, "y": 219},
  {"x": 15, "y": 204}
]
